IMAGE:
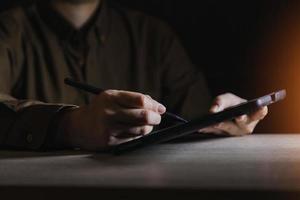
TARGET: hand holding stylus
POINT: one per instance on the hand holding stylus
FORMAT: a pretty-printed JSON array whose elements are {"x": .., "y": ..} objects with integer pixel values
[{"x": 111, "y": 116}]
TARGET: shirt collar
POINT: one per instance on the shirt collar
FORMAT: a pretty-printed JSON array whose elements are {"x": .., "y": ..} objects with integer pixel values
[{"x": 97, "y": 25}]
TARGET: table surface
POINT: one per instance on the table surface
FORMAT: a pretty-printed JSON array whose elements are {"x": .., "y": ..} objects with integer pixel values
[{"x": 256, "y": 162}]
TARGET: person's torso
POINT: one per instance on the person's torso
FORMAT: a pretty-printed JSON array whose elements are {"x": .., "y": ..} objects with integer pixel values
[{"x": 122, "y": 52}]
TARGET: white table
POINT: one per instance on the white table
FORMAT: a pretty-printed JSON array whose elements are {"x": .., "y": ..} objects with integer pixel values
[{"x": 254, "y": 166}]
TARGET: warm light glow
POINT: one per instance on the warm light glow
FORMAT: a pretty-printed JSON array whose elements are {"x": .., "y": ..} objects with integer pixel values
[{"x": 279, "y": 67}]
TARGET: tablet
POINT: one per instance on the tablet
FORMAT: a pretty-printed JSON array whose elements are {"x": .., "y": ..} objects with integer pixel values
[{"x": 194, "y": 125}]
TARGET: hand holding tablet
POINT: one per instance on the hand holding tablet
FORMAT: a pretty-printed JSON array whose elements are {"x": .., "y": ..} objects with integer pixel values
[{"x": 242, "y": 125}]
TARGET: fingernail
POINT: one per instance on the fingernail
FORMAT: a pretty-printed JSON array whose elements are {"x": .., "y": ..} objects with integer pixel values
[
  {"x": 241, "y": 118},
  {"x": 161, "y": 109},
  {"x": 221, "y": 124},
  {"x": 215, "y": 108}
]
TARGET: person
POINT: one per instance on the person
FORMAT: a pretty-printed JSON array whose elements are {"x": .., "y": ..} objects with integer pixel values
[{"x": 136, "y": 58}]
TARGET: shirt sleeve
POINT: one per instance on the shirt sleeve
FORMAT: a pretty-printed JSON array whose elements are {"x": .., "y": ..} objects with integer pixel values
[
  {"x": 185, "y": 89},
  {"x": 24, "y": 124}
]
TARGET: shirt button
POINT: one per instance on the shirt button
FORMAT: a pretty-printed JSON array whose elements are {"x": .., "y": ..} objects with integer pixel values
[
  {"x": 81, "y": 63},
  {"x": 29, "y": 138}
]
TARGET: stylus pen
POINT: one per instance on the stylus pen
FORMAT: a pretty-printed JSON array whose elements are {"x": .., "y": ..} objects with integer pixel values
[{"x": 95, "y": 90}]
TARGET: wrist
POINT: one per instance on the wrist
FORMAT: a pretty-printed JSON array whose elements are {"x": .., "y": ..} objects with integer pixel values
[{"x": 68, "y": 128}]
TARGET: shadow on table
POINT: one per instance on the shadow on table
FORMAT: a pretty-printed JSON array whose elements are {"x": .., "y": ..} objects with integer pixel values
[
  {"x": 103, "y": 155},
  {"x": 197, "y": 137},
  {"x": 5, "y": 154},
  {"x": 142, "y": 155}
]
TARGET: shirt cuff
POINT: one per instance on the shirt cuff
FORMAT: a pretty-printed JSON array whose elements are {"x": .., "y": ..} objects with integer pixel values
[
  {"x": 55, "y": 139},
  {"x": 31, "y": 126}
]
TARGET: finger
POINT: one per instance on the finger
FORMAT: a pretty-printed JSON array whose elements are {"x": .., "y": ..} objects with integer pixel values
[
  {"x": 225, "y": 101},
  {"x": 248, "y": 122},
  {"x": 212, "y": 130},
  {"x": 234, "y": 129},
  {"x": 138, "y": 100},
  {"x": 248, "y": 128},
  {"x": 259, "y": 115},
  {"x": 244, "y": 119},
  {"x": 126, "y": 131},
  {"x": 134, "y": 131},
  {"x": 136, "y": 117},
  {"x": 113, "y": 141}
]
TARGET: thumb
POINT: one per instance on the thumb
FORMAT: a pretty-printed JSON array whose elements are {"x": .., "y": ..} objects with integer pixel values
[{"x": 225, "y": 101}]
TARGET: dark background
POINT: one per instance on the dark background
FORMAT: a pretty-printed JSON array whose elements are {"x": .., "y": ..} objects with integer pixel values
[{"x": 222, "y": 38}]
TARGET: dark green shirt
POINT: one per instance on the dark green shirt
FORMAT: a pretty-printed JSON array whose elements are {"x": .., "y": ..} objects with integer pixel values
[{"x": 117, "y": 49}]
